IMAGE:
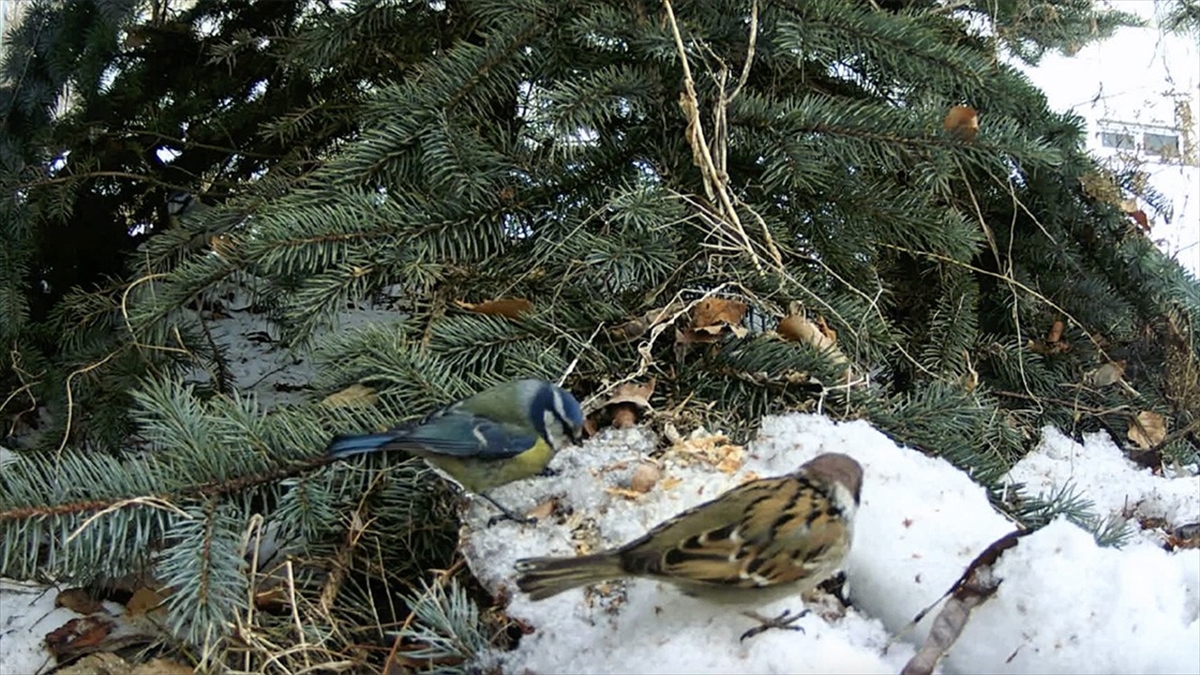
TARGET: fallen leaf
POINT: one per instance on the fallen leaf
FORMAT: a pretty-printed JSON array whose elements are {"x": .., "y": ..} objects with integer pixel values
[
  {"x": 511, "y": 308},
  {"x": 143, "y": 601},
  {"x": 78, "y": 635},
  {"x": 1142, "y": 220},
  {"x": 543, "y": 510},
  {"x": 355, "y": 394},
  {"x": 78, "y": 600},
  {"x": 1148, "y": 429},
  {"x": 624, "y": 416},
  {"x": 798, "y": 328},
  {"x": 1056, "y": 331},
  {"x": 1106, "y": 374},
  {"x": 590, "y": 425},
  {"x": 222, "y": 245},
  {"x": 628, "y": 403},
  {"x": 627, "y": 493},
  {"x": 632, "y": 392},
  {"x": 978, "y": 583},
  {"x": 716, "y": 311},
  {"x": 962, "y": 122},
  {"x": 670, "y": 482},
  {"x": 644, "y": 477}
]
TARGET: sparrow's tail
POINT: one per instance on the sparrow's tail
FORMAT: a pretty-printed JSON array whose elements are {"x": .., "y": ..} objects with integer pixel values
[
  {"x": 542, "y": 578},
  {"x": 347, "y": 445}
]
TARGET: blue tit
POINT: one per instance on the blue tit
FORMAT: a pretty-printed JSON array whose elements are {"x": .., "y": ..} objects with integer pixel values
[
  {"x": 180, "y": 202},
  {"x": 502, "y": 434}
]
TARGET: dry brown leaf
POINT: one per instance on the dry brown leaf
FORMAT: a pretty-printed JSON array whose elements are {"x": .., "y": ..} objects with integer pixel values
[
  {"x": 355, "y": 394},
  {"x": 78, "y": 636},
  {"x": 714, "y": 316},
  {"x": 590, "y": 425},
  {"x": 624, "y": 416},
  {"x": 511, "y": 308},
  {"x": 632, "y": 392},
  {"x": 962, "y": 122},
  {"x": 78, "y": 600},
  {"x": 628, "y": 403},
  {"x": 969, "y": 380},
  {"x": 1056, "y": 331},
  {"x": 143, "y": 601},
  {"x": 644, "y": 477},
  {"x": 973, "y": 588},
  {"x": 1148, "y": 429},
  {"x": 670, "y": 482},
  {"x": 627, "y": 493},
  {"x": 222, "y": 245},
  {"x": 826, "y": 330},
  {"x": 543, "y": 510},
  {"x": 1109, "y": 373},
  {"x": 1142, "y": 220},
  {"x": 798, "y": 328}
]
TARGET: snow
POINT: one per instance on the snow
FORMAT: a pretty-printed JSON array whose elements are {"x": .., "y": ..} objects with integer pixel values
[
  {"x": 258, "y": 363},
  {"x": 1068, "y": 606},
  {"x": 1135, "y": 78},
  {"x": 1065, "y": 605},
  {"x": 1115, "y": 485},
  {"x": 27, "y": 614}
]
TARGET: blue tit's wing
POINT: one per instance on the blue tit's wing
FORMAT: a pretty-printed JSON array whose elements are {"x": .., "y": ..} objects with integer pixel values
[{"x": 457, "y": 433}]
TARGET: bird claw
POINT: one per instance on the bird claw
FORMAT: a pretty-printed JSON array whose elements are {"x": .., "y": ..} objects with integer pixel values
[
  {"x": 505, "y": 514},
  {"x": 548, "y": 472},
  {"x": 520, "y": 520},
  {"x": 784, "y": 621}
]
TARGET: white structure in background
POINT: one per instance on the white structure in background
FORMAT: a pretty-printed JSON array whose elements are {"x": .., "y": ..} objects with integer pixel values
[
  {"x": 10, "y": 13},
  {"x": 1140, "y": 94}
]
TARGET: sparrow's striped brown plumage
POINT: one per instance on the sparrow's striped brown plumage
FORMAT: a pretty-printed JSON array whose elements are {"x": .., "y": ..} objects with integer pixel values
[{"x": 758, "y": 542}]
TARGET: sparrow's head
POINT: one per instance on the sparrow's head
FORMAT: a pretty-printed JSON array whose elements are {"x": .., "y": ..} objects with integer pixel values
[{"x": 837, "y": 469}]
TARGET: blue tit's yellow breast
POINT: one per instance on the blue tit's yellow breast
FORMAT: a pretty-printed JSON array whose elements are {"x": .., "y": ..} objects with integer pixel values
[{"x": 480, "y": 475}]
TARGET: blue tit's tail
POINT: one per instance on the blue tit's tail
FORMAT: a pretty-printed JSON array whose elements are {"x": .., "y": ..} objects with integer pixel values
[{"x": 348, "y": 445}]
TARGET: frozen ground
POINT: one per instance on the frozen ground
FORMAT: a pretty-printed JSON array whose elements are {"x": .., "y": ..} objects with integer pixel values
[{"x": 1065, "y": 605}]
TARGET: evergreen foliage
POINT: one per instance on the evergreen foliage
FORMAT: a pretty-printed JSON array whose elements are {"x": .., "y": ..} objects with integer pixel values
[{"x": 604, "y": 161}]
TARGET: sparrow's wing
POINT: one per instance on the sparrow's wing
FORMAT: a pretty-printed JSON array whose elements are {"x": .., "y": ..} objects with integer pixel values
[
  {"x": 763, "y": 533},
  {"x": 457, "y": 433}
]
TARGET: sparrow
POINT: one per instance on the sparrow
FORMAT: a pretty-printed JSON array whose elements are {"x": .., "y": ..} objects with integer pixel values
[{"x": 761, "y": 541}]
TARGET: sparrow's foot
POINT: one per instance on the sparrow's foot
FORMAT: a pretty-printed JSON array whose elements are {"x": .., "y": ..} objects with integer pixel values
[
  {"x": 783, "y": 621},
  {"x": 505, "y": 514},
  {"x": 548, "y": 472}
]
